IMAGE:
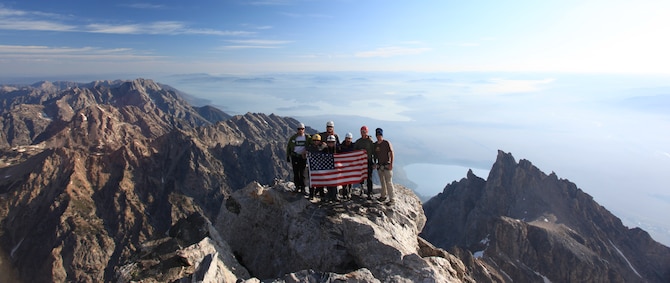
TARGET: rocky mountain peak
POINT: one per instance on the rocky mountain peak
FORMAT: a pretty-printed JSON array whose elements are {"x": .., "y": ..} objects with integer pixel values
[
  {"x": 99, "y": 174},
  {"x": 140, "y": 84},
  {"x": 126, "y": 181},
  {"x": 555, "y": 225}
]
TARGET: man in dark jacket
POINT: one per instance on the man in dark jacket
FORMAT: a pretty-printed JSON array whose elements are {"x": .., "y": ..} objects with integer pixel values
[{"x": 365, "y": 142}]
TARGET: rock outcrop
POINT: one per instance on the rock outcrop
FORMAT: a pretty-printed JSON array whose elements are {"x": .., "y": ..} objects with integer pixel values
[
  {"x": 271, "y": 234},
  {"x": 275, "y": 232},
  {"x": 193, "y": 251},
  {"x": 524, "y": 225}
]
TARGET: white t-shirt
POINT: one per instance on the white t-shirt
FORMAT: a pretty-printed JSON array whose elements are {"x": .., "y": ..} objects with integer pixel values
[{"x": 300, "y": 144}]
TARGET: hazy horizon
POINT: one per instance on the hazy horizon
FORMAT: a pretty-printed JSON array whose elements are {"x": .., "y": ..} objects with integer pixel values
[
  {"x": 605, "y": 133},
  {"x": 577, "y": 87}
]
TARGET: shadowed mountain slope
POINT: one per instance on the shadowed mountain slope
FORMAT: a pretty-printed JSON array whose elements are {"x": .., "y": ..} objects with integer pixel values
[
  {"x": 533, "y": 226},
  {"x": 90, "y": 171}
]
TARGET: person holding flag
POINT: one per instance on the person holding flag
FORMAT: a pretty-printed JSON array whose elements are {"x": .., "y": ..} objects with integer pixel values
[
  {"x": 330, "y": 168},
  {"x": 330, "y": 130},
  {"x": 315, "y": 147},
  {"x": 346, "y": 146},
  {"x": 331, "y": 147},
  {"x": 366, "y": 143}
]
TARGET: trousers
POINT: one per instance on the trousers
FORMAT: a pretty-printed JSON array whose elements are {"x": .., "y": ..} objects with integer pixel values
[{"x": 386, "y": 178}]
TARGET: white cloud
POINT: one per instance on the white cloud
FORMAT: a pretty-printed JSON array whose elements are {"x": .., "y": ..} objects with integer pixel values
[
  {"x": 12, "y": 24},
  {"x": 255, "y": 43},
  {"x": 313, "y": 16},
  {"x": 47, "y": 53},
  {"x": 260, "y": 42},
  {"x": 164, "y": 27},
  {"x": 392, "y": 51},
  {"x": 29, "y": 20}
]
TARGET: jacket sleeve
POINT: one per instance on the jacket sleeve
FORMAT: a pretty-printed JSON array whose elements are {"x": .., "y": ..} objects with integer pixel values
[{"x": 290, "y": 145}]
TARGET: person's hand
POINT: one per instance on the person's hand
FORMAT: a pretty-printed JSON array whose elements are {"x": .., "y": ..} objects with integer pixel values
[{"x": 389, "y": 166}]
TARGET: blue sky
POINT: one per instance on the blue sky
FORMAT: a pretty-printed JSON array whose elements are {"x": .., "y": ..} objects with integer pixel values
[
  {"x": 581, "y": 88},
  {"x": 51, "y": 37}
]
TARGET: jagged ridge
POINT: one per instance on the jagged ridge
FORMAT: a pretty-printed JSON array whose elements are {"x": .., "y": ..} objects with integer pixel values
[
  {"x": 90, "y": 171},
  {"x": 529, "y": 225}
]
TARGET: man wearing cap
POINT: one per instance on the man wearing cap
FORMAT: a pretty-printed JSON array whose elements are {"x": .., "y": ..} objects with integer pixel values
[
  {"x": 295, "y": 153},
  {"x": 383, "y": 155},
  {"x": 366, "y": 143}
]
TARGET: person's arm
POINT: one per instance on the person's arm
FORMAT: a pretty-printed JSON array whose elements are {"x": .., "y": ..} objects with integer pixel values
[
  {"x": 390, "y": 156},
  {"x": 289, "y": 148},
  {"x": 375, "y": 160}
]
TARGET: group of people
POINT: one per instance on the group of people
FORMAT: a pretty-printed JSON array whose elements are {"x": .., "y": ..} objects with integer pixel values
[{"x": 379, "y": 152}]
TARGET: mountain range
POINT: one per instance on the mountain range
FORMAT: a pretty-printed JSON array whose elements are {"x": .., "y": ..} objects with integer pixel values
[{"x": 119, "y": 181}]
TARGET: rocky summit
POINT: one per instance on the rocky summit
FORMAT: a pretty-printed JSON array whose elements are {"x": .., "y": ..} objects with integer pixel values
[
  {"x": 523, "y": 225},
  {"x": 126, "y": 181},
  {"x": 272, "y": 234}
]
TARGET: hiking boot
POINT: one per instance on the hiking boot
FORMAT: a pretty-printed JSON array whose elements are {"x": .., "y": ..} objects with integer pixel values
[
  {"x": 382, "y": 199},
  {"x": 390, "y": 202},
  {"x": 369, "y": 197}
]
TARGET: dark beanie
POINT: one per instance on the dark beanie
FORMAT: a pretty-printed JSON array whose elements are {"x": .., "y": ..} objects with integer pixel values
[{"x": 379, "y": 132}]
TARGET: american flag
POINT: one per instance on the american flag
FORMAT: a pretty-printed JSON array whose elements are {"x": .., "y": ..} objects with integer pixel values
[{"x": 328, "y": 169}]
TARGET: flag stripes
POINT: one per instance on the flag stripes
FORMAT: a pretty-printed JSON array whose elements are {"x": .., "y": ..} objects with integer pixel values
[{"x": 326, "y": 169}]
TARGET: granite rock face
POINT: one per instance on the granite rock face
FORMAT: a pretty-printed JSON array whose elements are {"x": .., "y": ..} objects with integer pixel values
[
  {"x": 524, "y": 225},
  {"x": 91, "y": 172},
  {"x": 275, "y": 232}
]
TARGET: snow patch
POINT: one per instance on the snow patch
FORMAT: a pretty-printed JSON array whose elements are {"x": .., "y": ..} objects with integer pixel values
[
  {"x": 626, "y": 259},
  {"x": 45, "y": 116},
  {"x": 16, "y": 248},
  {"x": 544, "y": 278},
  {"x": 485, "y": 241}
]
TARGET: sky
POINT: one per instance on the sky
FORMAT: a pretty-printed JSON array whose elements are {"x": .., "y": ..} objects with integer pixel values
[
  {"x": 579, "y": 88},
  {"x": 84, "y": 37}
]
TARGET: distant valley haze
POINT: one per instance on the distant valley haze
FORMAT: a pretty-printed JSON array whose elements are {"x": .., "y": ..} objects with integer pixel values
[
  {"x": 606, "y": 138},
  {"x": 579, "y": 88}
]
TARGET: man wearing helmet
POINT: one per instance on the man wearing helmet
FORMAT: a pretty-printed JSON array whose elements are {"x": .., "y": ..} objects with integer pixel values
[
  {"x": 315, "y": 146},
  {"x": 296, "y": 154},
  {"x": 346, "y": 146},
  {"x": 331, "y": 147},
  {"x": 330, "y": 130}
]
